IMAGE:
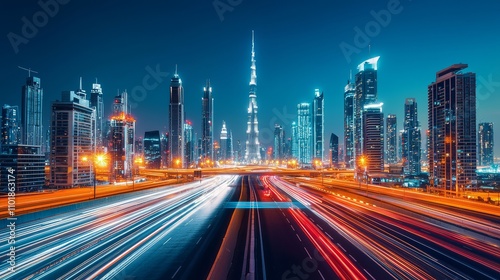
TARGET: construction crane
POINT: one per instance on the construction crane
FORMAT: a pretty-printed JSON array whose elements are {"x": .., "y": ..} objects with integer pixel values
[{"x": 28, "y": 69}]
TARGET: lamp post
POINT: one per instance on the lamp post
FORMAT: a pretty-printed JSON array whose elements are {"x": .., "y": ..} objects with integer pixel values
[{"x": 177, "y": 162}]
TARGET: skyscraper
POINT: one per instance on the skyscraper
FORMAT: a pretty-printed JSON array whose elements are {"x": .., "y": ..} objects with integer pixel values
[
  {"x": 295, "y": 141},
  {"x": 189, "y": 143},
  {"x": 10, "y": 125},
  {"x": 411, "y": 139},
  {"x": 373, "y": 140},
  {"x": 391, "y": 139},
  {"x": 96, "y": 101},
  {"x": 452, "y": 130},
  {"x": 318, "y": 125},
  {"x": 152, "y": 149},
  {"x": 230, "y": 151},
  {"x": 334, "y": 150},
  {"x": 28, "y": 164},
  {"x": 366, "y": 93},
  {"x": 223, "y": 142},
  {"x": 207, "y": 107},
  {"x": 486, "y": 143},
  {"x": 349, "y": 92},
  {"x": 279, "y": 142},
  {"x": 31, "y": 112},
  {"x": 72, "y": 140},
  {"x": 304, "y": 133},
  {"x": 176, "y": 122},
  {"x": 252, "y": 152}
]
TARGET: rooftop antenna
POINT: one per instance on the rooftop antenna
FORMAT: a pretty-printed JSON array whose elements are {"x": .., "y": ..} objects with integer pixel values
[
  {"x": 350, "y": 75},
  {"x": 176, "y": 69},
  {"x": 369, "y": 49},
  {"x": 96, "y": 80},
  {"x": 27, "y": 69},
  {"x": 80, "y": 83}
]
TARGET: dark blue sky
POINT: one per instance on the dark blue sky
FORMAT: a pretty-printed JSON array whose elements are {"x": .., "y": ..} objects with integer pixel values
[{"x": 297, "y": 46}]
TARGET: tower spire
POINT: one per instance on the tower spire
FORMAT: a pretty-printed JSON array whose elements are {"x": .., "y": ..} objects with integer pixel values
[
  {"x": 80, "y": 83},
  {"x": 252, "y": 153}
]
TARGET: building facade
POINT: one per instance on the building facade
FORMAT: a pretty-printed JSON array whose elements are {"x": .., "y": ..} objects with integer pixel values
[
  {"x": 28, "y": 167},
  {"x": 318, "y": 125},
  {"x": 207, "y": 107},
  {"x": 96, "y": 101},
  {"x": 366, "y": 93},
  {"x": 10, "y": 125},
  {"x": 72, "y": 141},
  {"x": 152, "y": 149},
  {"x": 373, "y": 140},
  {"x": 304, "y": 134},
  {"x": 349, "y": 93},
  {"x": 391, "y": 137},
  {"x": 486, "y": 144},
  {"x": 279, "y": 143},
  {"x": 176, "y": 113},
  {"x": 334, "y": 150},
  {"x": 31, "y": 112},
  {"x": 189, "y": 139},
  {"x": 411, "y": 139},
  {"x": 452, "y": 130},
  {"x": 252, "y": 152}
]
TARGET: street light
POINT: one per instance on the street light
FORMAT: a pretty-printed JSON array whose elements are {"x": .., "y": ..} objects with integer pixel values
[
  {"x": 362, "y": 164},
  {"x": 177, "y": 162},
  {"x": 100, "y": 160}
]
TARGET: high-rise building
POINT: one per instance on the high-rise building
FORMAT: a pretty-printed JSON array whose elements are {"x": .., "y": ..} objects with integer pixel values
[
  {"x": 96, "y": 101},
  {"x": 400, "y": 145},
  {"x": 139, "y": 147},
  {"x": 28, "y": 167},
  {"x": 10, "y": 125},
  {"x": 318, "y": 125},
  {"x": 223, "y": 142},
  {"x": 349, "y": 93},
  {"x": 279, "y": 142},
  {"x": 411, "y": 139},
  {"x": 334, "y": 150},
  {"x": 391, "y": 137},
  {"x": 252, "y": 152},
  {"x": 31, "y": 112},
  {"x": 189, "y": 143},
  {"x": 230, "y": 151},
  {"x": 207, "y": 107},
  {"x": 72, "y": 140},
  {"x": 165, "y": 152},
  {"x": 121, "y": 144},
  {"x": 295, "y": 141},
  {"x": 152, "y": 149},
  {"x": 176, "y": 122},
  {"x": 373, "y": 140},
  {"x": 304, "y": 133},
  {"x": 485, "y": 144},
  {"x": 452, "y": 130},
  {"x": 366, "y": 93}
]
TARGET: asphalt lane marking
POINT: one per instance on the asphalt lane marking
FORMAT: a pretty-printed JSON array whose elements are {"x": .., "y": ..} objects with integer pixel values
[
  {"x": 308, "y": 253},
  {"x": 341, "y": 247},
  {"x": 298, "y": 237},
  {"x": 198, "y": 241},
  {"x": 321, "y": 274},
  {"x": 167, "y": 241},
  {"x": 292, "y": 227},
  {"x": 176, "y": 272}
]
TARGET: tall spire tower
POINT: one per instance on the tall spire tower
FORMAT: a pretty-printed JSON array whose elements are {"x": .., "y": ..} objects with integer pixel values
[{"x": 252, "y": 153}]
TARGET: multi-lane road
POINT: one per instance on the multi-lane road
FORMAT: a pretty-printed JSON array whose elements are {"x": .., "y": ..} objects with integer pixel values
[{"x": 262, "y": 227}]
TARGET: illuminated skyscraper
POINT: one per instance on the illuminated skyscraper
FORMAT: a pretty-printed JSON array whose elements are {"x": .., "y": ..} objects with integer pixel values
[
  {"x": 207, "y": 141},
  {"x": 366, "y": 93},
  {"x": 334, "y": 150},
  {"x": 72, "y": 140},
  {"x": 252, "y": 152},
  {"x": 96, "y": 101},
  {"x": 189, "y": 143},
  {"x": 318, "y": 125},
  {"x": 304, "y": 133},
  {"x": 485, "y": 145},
  {"x": 295, "y": 141},
  {"x": 349, "y": 92},
  {"x": 152, "y": 149},
  {"x": 373, "y": 140},
  {"x": 279, "y": 143},
  {"x": 121, "y": 142},
  {"x": 391, "y": 137},
  {"x": 176, "y": 122},
  {"x": 223, "y": 142},
  {"x": 10, "y": 125},
  {"x": 452, "y": 130},
  {"x": 411, "y": 139},
  {"x": 31, "y": 112}
]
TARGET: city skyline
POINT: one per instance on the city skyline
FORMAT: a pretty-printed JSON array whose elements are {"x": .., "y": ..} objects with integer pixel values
[{"x": 230, "y": 79}]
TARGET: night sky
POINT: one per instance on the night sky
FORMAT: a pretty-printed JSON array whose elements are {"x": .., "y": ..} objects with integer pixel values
[{"x": 297, "y": 50}]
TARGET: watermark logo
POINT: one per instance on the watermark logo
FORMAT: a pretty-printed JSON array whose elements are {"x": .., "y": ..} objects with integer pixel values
[
  {"x": 152, "y": 80},
  {"x": 266, "y": 135},
  {"x": 362, "y": 37},
  {"x": 223, "y": 6},
  {"x": 30, "y": 28}
]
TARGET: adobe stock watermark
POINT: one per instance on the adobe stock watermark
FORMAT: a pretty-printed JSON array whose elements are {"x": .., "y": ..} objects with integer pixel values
[
  {"x": 152, "y": 80},
  {"x": 362, "y": 37},
  {"x": 308, "y": 266},
  {"x": 488, "y": 84},
  {"x": 30, "y": 27},
  {"x": 223, "y": 6},
  {"x": 282, "y": 117}
]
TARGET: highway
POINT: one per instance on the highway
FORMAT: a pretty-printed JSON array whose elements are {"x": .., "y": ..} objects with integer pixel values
[
  {"x": 406, "y": 239},
  {"x": 154, "y": 234}
]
